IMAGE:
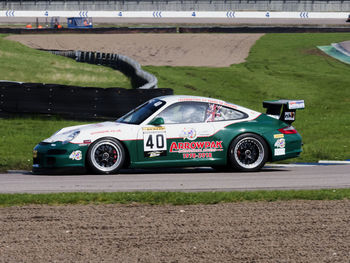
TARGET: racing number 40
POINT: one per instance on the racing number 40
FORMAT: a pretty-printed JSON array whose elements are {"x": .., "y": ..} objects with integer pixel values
[
  {"x": 155, "y": 142},
  {"x": 159, "y": 140}
]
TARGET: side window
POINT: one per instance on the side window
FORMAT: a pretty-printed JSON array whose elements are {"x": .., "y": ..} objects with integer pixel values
[
  {"x": 185, "y": 112},
  {"x": 221, "y": 113}
]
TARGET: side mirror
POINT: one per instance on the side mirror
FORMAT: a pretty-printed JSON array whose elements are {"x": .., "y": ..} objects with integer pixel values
[{"x": 157, "y": 121}]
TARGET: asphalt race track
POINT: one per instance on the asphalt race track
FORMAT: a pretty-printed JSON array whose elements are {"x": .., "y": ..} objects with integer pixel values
[{"x": 186, "y": 180}]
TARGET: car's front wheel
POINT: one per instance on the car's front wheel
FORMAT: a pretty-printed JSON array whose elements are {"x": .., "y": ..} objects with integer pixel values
[
  {"x": 105, "y": 156},
  {"x": 248, "y": 153}
]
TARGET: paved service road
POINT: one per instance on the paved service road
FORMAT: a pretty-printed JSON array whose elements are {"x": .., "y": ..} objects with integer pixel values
[{"x": 198, "y": 179}]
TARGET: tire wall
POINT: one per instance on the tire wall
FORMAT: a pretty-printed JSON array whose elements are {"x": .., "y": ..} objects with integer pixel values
[
  {"x": 73, "y": 102},
  {"x": 17, "y": 98},
  {"x": 139, "y": 78}
]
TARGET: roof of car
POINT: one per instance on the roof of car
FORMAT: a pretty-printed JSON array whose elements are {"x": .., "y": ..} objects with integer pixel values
[{"x": 180, "y": 98}]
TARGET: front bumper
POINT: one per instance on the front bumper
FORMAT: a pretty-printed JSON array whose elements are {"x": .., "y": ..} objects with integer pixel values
[{"x": 56, "y": 157}]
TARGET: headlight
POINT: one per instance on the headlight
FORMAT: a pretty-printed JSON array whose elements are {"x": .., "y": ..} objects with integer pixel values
[
  {"x": 64, "y": 137},
  {"x": 70, "y": 136}
]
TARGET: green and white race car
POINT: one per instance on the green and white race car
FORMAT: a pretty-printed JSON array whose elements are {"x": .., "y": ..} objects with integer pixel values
[{"x": 177, "y": 131}]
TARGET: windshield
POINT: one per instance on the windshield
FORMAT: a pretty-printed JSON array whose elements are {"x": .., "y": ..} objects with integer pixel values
[{"x": 142, "y": 112}]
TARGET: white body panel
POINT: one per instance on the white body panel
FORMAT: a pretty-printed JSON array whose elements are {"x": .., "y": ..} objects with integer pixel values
[{"x": 122, "y": 131}]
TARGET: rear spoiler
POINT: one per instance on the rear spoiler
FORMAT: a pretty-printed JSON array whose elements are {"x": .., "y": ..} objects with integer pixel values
[{"x": 288, "y": 109}]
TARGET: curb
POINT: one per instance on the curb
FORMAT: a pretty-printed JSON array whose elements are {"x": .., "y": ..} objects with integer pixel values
[
  {"x": 319, "y": 163},
  {"x": 328, "y": 162}
]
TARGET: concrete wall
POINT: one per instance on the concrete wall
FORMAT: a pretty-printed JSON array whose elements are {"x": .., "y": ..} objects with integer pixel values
[{"x": 182, "y": 5}]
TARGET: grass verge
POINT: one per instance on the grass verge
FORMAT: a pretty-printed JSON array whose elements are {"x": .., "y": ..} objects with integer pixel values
[
  {"x": 21, "y": 63},
  {"x": 173, "y": 198},
  {"x": 282, "y": 66},
  {"x": 19, "y": 136},
  {"x": 279, "y": 66}
]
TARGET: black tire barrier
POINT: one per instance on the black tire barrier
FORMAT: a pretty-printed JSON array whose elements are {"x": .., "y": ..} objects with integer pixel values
[
  {"x": 83, "y": 103},
  {"x": 17, "y": 98},
  {"x": 140, "y": 79}
]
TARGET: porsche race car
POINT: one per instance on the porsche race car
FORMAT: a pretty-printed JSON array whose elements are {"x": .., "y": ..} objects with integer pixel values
[{"x": 177, "y": 131}]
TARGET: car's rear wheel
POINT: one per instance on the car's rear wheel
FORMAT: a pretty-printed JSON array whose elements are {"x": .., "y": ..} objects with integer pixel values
[
  {"x": 248, "y": 153},
  {"x": 106, "y": 156}
]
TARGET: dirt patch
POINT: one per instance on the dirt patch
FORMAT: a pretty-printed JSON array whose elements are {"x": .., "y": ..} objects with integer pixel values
[
  {"x": 211, "y": 50},
  {"x": 295, "y": 231}
]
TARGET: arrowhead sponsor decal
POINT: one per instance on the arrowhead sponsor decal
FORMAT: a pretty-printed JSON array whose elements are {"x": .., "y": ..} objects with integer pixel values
[{"x": 187, "y": 147}]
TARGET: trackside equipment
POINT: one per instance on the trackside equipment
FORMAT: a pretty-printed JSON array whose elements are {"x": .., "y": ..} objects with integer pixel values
[{"x": 79, "y": 22}]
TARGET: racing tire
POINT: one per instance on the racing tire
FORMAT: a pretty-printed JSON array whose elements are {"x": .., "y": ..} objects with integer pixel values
[
  {"x": 248, "y": 153},
  {"x": 105, "y": 156}
]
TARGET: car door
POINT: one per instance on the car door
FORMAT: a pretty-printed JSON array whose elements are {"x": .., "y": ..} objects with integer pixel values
[{"x": 184, "y": 139}]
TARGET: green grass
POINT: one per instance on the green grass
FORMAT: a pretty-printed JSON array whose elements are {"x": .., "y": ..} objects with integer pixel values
[
  {"x": 282, "y": 66},
  {"x": 279, "y": 66},
  {"x": 19, "y": 136},
  {"x": 21, "y": 63},
  {"x": 174, "y": 198}
]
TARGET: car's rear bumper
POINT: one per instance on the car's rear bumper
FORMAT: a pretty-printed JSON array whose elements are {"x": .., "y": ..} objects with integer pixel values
[{"x": 292, "y": 148}]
